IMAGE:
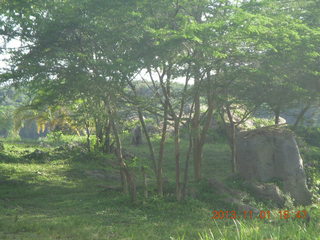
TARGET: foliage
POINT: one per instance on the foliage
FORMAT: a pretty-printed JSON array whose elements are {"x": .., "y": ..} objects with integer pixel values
[
  {"x": 261, "y": 122},
  {"x": 55, "y": 137},
  {"x": 310, "y": 153},
  {"x": 310, "y": 135},
  {"x": 6, "y": 120}
]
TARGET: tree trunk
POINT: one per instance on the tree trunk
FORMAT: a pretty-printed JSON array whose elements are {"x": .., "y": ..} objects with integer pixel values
[
  {"x": 150, "y": 146},
  {"x": 124, "y": 181},
  {"x": 145, "y": 185},
  {"x": 107, "y": 137},
  {"x": 200, "y": 137},
  {"x": 123, "y": 167},
  {"x": 300, "y": 116},
  {"x": 161, "y": 151},
  {"x": 88, "y": 136},
  {"x": 197, "y": 153},
  {"x": 186, "y": 169},
  {"x": 177, "y": 157},
  {"x": 232, "y": 139},
  {"x": 145, "y": 131},
  {"x": 99, "y": 133}
]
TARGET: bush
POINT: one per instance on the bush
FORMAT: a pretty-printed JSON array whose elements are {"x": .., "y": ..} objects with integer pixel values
[
  {"x": 216, "y": 135},
  {"x": 309, "y": 143},
  {"x": 311, "y": 157},
  {"x": 55, "y": 137},
  {"x": 6, "y": 121},
  {"x": 310, "y": 135}
]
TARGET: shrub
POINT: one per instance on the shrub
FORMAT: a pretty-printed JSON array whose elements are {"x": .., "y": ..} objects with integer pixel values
[
  {"x": 310, "y": 135},
  {"x": 55, "y": 137}
]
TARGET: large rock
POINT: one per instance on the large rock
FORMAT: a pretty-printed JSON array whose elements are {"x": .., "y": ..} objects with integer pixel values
[{"x": 269, "y": 154}]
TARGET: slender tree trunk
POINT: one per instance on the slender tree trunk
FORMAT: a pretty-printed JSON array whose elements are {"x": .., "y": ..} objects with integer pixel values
[
  {"x": 176, "y": 117},
  {"x": 123, "y": 167},
  {"x": 88, "y": 136},
  {"x": 200, "y": 137},
  {"x": 107, "y": 137},
  {"x": 207, "y": 123},
  {"x": 150, "y": 146},
  {"x": 124, "y": 181},
  {"x": 99, "y": 134},
  {"x": 301, "y": 115},
  {"x": 145, "y": 184},
  {"x": 161, "y": 151},
  {"x": 197, "y": 153},
  {"x": 177, "y": 157},
  {"x": 232, "y": 139},
  {"x": 124, "y": 177},
  {"x": 145, "y": 131},
  {"x": 186, "y": 169},
  {"x": 197, "y": 158}
]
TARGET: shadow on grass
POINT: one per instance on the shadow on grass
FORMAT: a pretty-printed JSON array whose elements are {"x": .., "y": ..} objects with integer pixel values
[{"x": 5, "y": 158}]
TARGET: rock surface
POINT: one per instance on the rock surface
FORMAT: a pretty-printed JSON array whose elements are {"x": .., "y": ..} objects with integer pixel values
[
  {"x": 232, "y": 197},
  {"x": 269, "y": 154},
  {"x": 267, "y": 192}
]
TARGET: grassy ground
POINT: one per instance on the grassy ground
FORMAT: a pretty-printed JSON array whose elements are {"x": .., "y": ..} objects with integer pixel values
[{"x": 73, "y": 195}]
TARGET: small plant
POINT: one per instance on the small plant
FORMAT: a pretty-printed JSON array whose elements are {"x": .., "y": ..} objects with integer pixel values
[
  {"x": 55, "y": 137},
  {"x": 262, "y": 122},
  {"x": 309, "y": 134}
]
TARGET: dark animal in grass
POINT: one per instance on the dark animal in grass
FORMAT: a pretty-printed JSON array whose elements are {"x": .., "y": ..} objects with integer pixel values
[{"x": 37, "y": 155}]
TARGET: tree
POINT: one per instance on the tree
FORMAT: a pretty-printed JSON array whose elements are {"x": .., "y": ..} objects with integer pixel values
[{"x": 76, "y": 51}]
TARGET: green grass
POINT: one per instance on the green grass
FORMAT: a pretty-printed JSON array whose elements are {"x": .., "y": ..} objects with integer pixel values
[{"x": 56, "y": 198}]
